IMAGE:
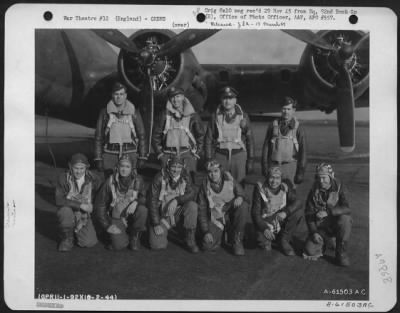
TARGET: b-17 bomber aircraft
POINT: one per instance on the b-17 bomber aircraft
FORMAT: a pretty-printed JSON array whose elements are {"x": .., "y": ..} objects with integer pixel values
[{"x": 75, "y": 69}]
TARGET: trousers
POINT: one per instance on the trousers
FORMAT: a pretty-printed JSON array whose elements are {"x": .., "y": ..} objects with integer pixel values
[
  {"x": 288, "y": 227},
  {"x": 136, "y": 223},
  {"x": 188, "y": 211},
  {"x": 85, "y": 236},
  {"x": 332, "y": 226},
  {"x": 237, "y": 166},
  {"x": 237, "y": 218}
]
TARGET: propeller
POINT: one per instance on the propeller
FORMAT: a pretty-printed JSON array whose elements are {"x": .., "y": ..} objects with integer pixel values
[
  {"x": 117, "y": 38},
  {"x": 308, "y": 37},
  {"x": 151, "y": 62},
  {"x": 343, "y": 69},
  {"x": 185, "y": 40}
]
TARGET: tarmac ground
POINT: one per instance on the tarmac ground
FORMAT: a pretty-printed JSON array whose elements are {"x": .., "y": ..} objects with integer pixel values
[{"x": 175, "y": 273}]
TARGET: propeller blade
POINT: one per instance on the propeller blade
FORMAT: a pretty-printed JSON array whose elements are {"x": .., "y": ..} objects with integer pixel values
[
  {"x": 345, "y": 110},
  {"x": 362, "y": 48},
  {"x": 185, "y": 40},
  {"x": 148, "y": 106},
  {"x": 116, "y": 38},
  {"x": 309, "y": 37}
]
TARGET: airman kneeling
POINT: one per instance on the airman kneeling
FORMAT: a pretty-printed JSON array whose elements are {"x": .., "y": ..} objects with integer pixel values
[
  {"x": 220, "y": 196},
  {"x": 171, "y": 198},
  {"x": 327, "y": 215},
  {"x": 275, "y": 211},
  {"x": 120, "y": 206}
]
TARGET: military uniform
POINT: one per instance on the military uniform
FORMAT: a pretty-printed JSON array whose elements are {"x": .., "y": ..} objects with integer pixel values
[
  {"x": 179, "y": 132},
  {"x": 119, "y": 130},
  {"x": 163, "y": 191},
  {"x": 285, "y": 146},
  {"x": 216, "y": 205},
  {"x": 268, "y": 203},
  {"x": 70, "y": 194},
  {"x": 121, "y": 202},
  {"x": 229, "y": 139},
  {"x": 328, "y": 215}
]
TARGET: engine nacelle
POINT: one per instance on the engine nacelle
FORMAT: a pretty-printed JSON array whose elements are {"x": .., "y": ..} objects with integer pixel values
[
  {"x": 319, "y": 69},
  {"x": 181, "y": 70}
]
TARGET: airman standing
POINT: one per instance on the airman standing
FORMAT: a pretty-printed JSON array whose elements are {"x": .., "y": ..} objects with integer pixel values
[
  {"x": 179, "y": 131},
  {"x": 229, "y": 137},
  {"x": 285, "y": 146},
  {"x": 119, "y": 130}
]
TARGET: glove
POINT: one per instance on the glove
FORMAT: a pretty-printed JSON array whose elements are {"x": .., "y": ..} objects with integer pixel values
[
  {"x": 317, "y": 238},
  {"x": 158, "y": 230},
  {"x": 269, "y": 234},
  {"x": 249, "y": 166},
  {"x": 208, "y": 238},
  {"x": 99, "y": 165},
  {"x": 86, "y": 207},
  {"x": 113, "y": 229},
  {"x": 238, "y": 202},
  {"x": 281, "y": 216},
  {"x": 298, "y": 178},
  {"x": 321, "y": 214},
  {"x": 140, "y": 163}
]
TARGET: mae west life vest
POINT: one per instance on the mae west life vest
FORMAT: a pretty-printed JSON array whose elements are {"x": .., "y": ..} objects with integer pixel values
[
  {"x": 122, "y": 200},
  {"x": 230, "y": 134},
  {"x": 120, "y": 127},
  {"x": 272, "y": 203},
  {"x": 217, "y": 200},
  {"x": 82, "y": 196},
  {"x": 177, "y": 130},
  {"x": 321, "y": 204},
  {"x": 284, "y": 146},
  {"x": 167, "y": 193}
]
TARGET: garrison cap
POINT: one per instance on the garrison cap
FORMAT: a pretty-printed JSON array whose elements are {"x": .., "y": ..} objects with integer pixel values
[
  {"x": 118, "y": 86},
  {"x": 79, "y": 158},
  {"x": 229, "y": 92},
  {"x": 289, "y": 100},
  {"x": 173, "y": 91}
]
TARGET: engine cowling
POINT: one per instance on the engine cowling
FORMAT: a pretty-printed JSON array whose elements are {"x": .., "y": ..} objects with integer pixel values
[
  {"x": 181, "y": 70},
  {"x": 320, "y": 69}
]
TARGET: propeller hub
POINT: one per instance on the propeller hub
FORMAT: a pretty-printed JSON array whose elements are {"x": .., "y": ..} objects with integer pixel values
[
  {"x": 147, "y": 57},
  {"x": 346, "y": 51}
]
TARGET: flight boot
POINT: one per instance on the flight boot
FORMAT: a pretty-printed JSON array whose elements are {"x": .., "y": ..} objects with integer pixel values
[
  {"x": 266, "y": 246},
  {"x": 67, "y": 240},
  {"x": 191, "y": 240},
  {"x": 134, "y": 243},
  {"x": 237, "y": 246},
  {"x": 341, "y": 255},
  {"x": 286, "y": 247}
]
